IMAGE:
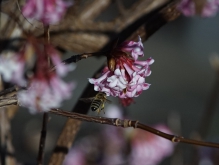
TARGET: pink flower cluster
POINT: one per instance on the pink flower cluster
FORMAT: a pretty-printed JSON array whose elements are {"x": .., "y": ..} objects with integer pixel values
[
  {"x": 188, "y": 8},
  {"x": 148, "y": 148},
  {"x": 44, "y": 87},
  {"x": 46, "y": 90},
  {"x": 128, "y": 78},
  {"x": 46, "y": 11}
]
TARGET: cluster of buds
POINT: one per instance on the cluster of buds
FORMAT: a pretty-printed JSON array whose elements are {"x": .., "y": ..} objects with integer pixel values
[
  {"x": 204, "y": 8},
  {"x": 124, "y": 77},
  {"x": 45, "y": 11}
]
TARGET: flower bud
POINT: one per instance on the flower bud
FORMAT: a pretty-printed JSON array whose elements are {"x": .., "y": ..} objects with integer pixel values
[{"x": 111, "y": 63}]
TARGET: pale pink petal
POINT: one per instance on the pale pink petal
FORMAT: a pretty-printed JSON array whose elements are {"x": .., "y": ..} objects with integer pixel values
[
  {"x": 60, "y": 67},
  {"x": 113, "y": 83},
  {"x": 187, "y": 7},
  {"x": 12, "y": 69},
  {"x": 42, "y": 95},
  {"x": 46, "y": 11}
]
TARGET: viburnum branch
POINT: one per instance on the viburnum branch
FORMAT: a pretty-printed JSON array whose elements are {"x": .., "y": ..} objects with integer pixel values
[
  {"x": 42, "y": 139},
  {"x": 78, "y": 57},
  {"x": 8, "y": 90},
  {"x": 126, "y": 123},
  {"x": 6, "y": 101},
  {"x": 131, "y": 123}
]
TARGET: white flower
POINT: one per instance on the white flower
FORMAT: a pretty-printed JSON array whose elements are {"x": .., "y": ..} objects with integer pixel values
[
  {"x": 12, "y": 69},
  {"x": 43, "y": 95}
]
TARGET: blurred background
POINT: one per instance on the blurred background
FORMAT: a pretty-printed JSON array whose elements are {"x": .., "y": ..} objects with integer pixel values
[{"x": 182, "y": 80}]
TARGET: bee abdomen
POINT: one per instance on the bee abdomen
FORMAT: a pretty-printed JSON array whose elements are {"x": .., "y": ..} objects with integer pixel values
[{"x": 95, "y": 105}]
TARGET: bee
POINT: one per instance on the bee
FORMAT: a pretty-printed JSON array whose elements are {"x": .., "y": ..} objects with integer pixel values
[{"x": 97, "y": 102}]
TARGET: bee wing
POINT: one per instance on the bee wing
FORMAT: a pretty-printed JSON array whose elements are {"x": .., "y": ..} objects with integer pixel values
[
  {"x": 87, "y": 100},
  {"x": 108, "y": 101}
]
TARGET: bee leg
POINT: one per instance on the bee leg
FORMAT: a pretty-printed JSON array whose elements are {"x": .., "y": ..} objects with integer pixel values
[
  {"x": 102, "y": 108},
  {"x": 98, "y": 112},
  {"x": 103, "y": 111}
]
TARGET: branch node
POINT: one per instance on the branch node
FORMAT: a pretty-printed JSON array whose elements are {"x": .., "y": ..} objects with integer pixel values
[
  {"x": 118, "y": 122},
  {"x": 175, "y": 139},
  {"x": 136, "y": 124},
  {"x": 130, "y": 123}
]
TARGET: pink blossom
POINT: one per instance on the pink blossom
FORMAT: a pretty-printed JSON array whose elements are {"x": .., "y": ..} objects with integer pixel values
[
  {"x": 128, "y": 79},
  {"x": 12, "y": 68},
  {"x": 188, "y": 8},
  {"x": 135, "y": 48},
  {"x": 148, "y": 148},
  {"x": 46, "y": 89},
  {"x": 76, "y": 156},
  {"x": 60, "y": 67},
  {"x": 46, "y": 11},
  {"x": 42, "y": 95}
]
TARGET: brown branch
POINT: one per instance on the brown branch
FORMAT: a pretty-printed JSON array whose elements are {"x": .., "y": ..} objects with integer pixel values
[
  {"x": 45, "y": 115},
  {"x": 137, "y": 10},
  {"x": 167, "y": 14},
  {"x": 65, "y": 141},
  {"x": 42, "y": 139},
  {"x": 8, "y": 101},
  {"x": 131, "y": 123},
  {"x": 71, "y": 127},
  {"x": 92, "y": 36},
  {"x": 92, "y": 9},
  {"x": 8, "y": 90},
  {"x": 7, "y": 149},
  {"x": 121, "y": 8},
  {"x": 78, "y": 57}
]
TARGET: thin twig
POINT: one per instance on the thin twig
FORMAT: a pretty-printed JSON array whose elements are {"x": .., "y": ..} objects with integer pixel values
[
  {"x": 7, "y": 91},
  {"x": 18, "y": 6},
  {"x": 131, "y": 123},
  {"x": 78, "y": 57},
  {"x": 6, "y": 101},
  {"x": 42, "y": 139},
  {"x": 45, "y": 115}
]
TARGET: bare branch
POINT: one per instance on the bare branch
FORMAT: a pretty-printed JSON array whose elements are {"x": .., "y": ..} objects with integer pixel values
[
  {"x": 8, "y": 101},
  {"x": 93, "y": 9},
  {"x": 42, "y": 139},
  {"x": 131, "y": 123},
  {"x": 7, "y": 91},
  {"x": 65, "y": 141}
]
